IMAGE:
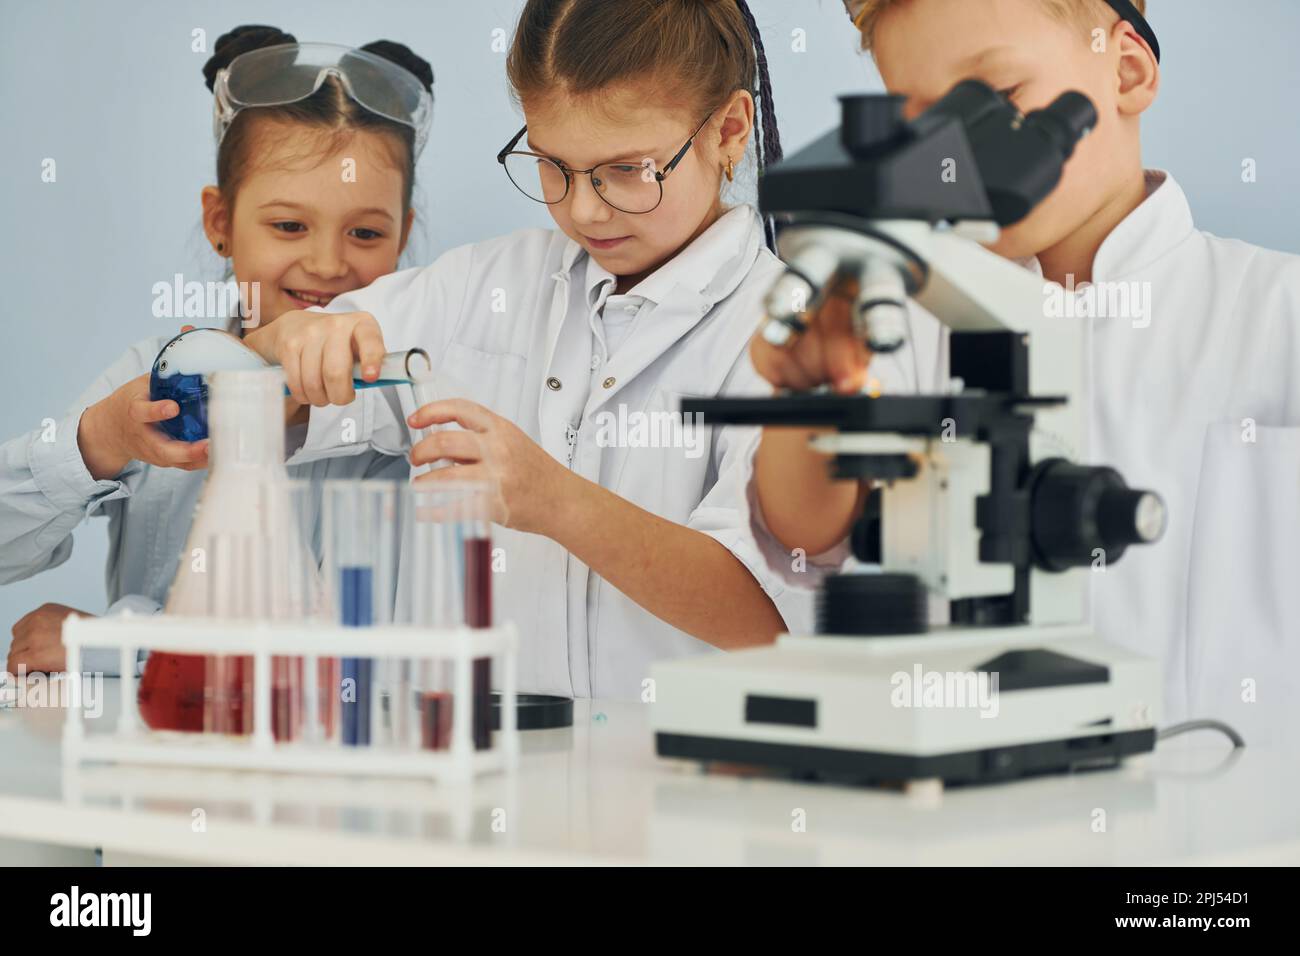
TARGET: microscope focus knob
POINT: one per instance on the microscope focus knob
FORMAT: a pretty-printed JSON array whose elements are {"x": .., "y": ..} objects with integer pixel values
[{"x": 1082, "y": 512}]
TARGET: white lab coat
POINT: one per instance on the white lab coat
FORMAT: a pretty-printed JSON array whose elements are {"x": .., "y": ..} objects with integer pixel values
[
  {"x": 500, "y": 318},
  {"x": 1202, "y": 405}
]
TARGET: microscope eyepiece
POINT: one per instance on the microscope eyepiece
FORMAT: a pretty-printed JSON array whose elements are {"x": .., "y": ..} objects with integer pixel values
[
  {"x": 1066, "y": 121},
  {"x": 870, "y": 122}
]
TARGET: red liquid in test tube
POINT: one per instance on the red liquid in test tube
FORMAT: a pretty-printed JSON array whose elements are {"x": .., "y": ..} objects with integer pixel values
[
  {"x": 286, "y": 697},
  {"x": 478, "y": 613},
  {"x": 435, "y": 722},
  {"x": 328, "y": 678}
]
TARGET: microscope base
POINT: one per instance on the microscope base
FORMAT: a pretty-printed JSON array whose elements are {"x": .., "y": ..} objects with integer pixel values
[
  {"x": 962, "y": 706},
  {"x": 863, "y": 767}
]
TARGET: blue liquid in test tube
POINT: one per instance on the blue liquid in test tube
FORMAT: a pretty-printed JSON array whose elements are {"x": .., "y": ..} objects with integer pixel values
[{"x": 356, "y": 591}]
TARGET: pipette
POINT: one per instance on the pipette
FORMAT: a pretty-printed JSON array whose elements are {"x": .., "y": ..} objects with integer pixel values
[{"x": 181, "y": 368}]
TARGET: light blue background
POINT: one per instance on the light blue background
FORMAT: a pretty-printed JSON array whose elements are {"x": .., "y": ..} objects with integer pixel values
[{"x": 113, "y": 92}]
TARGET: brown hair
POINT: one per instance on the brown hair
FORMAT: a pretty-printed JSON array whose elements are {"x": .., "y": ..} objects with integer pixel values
[
  {"x": 329, "y": 112},
  {"x": 867, "y": 18},
  {"x": 698, "y": 51}
]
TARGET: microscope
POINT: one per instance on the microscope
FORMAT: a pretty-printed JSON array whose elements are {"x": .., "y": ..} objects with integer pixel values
[{"x": 982, "y": 503}]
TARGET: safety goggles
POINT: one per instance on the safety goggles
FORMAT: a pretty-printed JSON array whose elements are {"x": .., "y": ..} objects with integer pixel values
[
  {"x": 1124, "y": 8},
  {"x": 278, "y": 75}
]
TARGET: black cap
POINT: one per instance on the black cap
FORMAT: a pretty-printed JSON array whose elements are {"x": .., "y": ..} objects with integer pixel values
[{"x": 1128, "y": 12}]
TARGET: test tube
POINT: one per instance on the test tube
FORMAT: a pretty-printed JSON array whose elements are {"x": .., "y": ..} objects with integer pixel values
[
  {"x": 227, "y": 693},
  {"x": 248, "y": 570},
  {"x": 477, "y": 544},
  {"x": 321, "y": 675},
  {"x": 383, "y": 512},
  {"x": 452, "y": 572},
  {"x": 355, "y": 585},
  {"x": 363, "y": 551},
  {"x": 424, "y": 386},
  {"x": 330, "y": 669},
  {"x": 429, "y": 591},
  {"x": 215, "y": 665},
  {"x": 356, "y": 589},
  {"x": 426, "y": 588},
  {"x": 329, "y": 676},
  {"x": 292, "y": 595},
  {"x": 433, "y": 697},
  {"x": 429, "y": 387}
]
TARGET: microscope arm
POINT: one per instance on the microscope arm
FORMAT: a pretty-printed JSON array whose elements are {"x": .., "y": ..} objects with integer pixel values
[{"x": 967, "y": 288}]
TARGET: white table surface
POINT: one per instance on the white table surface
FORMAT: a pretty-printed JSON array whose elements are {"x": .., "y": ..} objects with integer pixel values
[{"x": 597, "y": 793}]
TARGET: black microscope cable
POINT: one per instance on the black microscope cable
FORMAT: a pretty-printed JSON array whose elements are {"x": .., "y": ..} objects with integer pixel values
[{"x": 1189, "y": 725}]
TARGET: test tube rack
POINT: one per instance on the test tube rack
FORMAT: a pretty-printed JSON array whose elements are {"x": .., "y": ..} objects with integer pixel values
[{"x": 130, "y": 741}]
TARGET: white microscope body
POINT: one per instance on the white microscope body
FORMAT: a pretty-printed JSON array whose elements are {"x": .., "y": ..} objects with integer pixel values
[{"x": 983, "y": 511}]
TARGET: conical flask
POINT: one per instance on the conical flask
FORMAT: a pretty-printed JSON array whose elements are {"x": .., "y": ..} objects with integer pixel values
[{"x": 245, "y": 558}]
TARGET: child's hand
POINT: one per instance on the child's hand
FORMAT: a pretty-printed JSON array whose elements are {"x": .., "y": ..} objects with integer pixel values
[
  {"x": 120, "y": 429},
  {"x": 317, "y": 351},
  {"x": 38, "y": 639},
  {"x": 528, "y": 484},
  {"x": 828, "y": 351}
]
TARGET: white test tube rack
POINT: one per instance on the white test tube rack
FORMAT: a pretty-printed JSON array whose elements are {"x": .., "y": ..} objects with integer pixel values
[{"x": 131, "y": 741}]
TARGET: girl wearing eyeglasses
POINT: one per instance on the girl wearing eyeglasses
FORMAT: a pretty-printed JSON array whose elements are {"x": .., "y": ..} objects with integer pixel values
[
  {"x": 286, "y": 115},
  {"x": 563, "y": 354}
]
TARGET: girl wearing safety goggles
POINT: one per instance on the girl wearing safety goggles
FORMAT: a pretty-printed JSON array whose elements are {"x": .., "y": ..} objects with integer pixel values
[{"x": 291, "y": 121}]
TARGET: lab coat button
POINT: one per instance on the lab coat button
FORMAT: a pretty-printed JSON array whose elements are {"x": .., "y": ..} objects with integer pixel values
[
  {"x": 609, "y": 382},
  {"x": 554, "y": 384},
  {"x": 595, "y": 362}
]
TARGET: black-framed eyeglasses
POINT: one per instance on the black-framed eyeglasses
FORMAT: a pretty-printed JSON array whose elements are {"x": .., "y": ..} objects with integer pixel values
[{"x": 629, "y": 187}]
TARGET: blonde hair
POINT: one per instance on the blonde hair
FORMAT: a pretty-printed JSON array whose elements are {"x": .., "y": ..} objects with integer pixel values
[{"x": 1064, "y": 10}]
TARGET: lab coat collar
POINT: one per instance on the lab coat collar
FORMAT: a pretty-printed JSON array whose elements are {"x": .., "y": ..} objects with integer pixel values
[
  {"x": 569, "y": 257},
  {"x": 712, "y": 265},
  {"x": 704, "y": 266},
  {"x": 1159, "y": 223},
  {"x": 684, "y": 290},
  {"x": 599, "y": 282}
]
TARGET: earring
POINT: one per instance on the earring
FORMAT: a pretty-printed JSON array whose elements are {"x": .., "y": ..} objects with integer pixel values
[
  {"x": 731, "y": 171},
  {"x": 221, "y": 247}
]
